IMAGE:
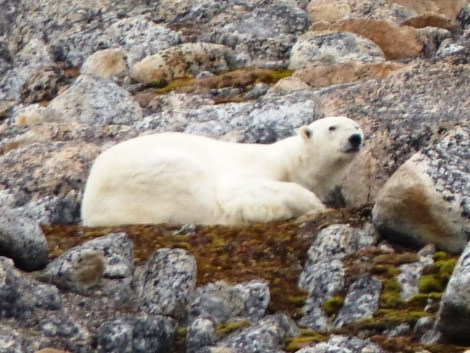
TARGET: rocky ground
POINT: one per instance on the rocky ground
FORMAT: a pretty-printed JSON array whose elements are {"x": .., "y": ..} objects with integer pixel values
[{"x": 385, "y": 270}]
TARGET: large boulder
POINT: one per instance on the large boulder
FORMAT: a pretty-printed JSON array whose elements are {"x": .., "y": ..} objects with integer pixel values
[{"x": 427, "y": 200}]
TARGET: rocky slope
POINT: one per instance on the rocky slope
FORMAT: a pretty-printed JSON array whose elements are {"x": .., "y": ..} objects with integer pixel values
[{"x": 385, "y": 270}]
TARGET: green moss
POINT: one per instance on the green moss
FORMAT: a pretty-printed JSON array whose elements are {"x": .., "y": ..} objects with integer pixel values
[
  {"x": 175, "y": 84},
  {"x": 391, "y": 285},
  {"x": 385, "y": 270},
  {"x": 429, "y": 283},
  {"x": 298, "y": 301},
  {"x": 295, "y": 343},
  {"x": 390, "y": 300},
  {"x": 446, "y": 267},
  {"x": 229, "y": 327},
  {"x": 388, "y": 318},
  {"x": 440, "y": 255},
  {"x": 332, "y": 305},
  {"x": 420, "y": 300}
]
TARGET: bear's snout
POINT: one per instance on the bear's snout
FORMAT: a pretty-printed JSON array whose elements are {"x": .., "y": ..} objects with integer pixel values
[{"x": 355, "y": 140}]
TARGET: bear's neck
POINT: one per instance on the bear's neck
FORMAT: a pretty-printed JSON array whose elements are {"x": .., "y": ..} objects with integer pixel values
[{"x": 319, "y": 173}]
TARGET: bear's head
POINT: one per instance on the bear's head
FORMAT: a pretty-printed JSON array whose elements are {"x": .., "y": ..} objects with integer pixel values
[
  {"x": 328, "y": 146},
  {"x": 336, "y": 137}
]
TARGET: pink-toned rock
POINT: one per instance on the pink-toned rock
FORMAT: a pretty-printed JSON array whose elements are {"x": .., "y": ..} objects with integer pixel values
[
  {"x": 421, "y": 204},
  {"x": 326, "y": 75},
  {"x": 395, "y": 41},
  {"x": 448, "y": 8},
  {"x": 432, "y": 20}
]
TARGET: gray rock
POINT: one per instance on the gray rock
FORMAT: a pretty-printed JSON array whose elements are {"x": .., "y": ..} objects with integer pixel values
[
  {"x": 343, "y": 344},
  {"x": 322, "y": 280},
  {"x": 400, "y": 330},
  {"x": 453, "y": 316},
  {"x": 219, "y": 301},
  {"x": 21, "y": 296},
  {"x": 333, "y": 48},
  {"x": 33, "y": 56},
  {"x": 22, "y": 239},
  {"x": 266, "y": 335},
  {"x": 115, "y": 337},
  {"x": 94, "y": 100},
  {"x": 201, "y": 333},
  {"x": 52, "y": 210},
  {"x": 267, "y": 120},
  {"x": 423, "y": 325},
  {"x": 56, "y": 170},
  {"x": 361, "y": 302},
  {"x": 168, "y": 279},
  {"x": 339, "y": 240},
  {"x": 140, "y": 37},
  {"x": 411, "y": 273},
  {"x": 223, "y": 302},
  {"x": 262, "y": 36},
  {"x": 428, "y": 200},
  {"x": 256, "y": 298},
  {"x": 323, "y": 273},
  {"x": 152, "y": 333},
  {"x": 105, "y": 264},
  {"x": 64, "y": 329}
]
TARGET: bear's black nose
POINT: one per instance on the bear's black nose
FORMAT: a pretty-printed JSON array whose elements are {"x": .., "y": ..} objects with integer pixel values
[{"x": 355, "y": 140}]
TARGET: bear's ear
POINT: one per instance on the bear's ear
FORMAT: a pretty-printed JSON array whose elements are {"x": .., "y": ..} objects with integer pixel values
[{"x": 305, "y": 132}]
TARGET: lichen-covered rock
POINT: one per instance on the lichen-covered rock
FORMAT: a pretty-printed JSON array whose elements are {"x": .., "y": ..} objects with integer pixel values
[
  {"x": 411, "y": 273},
  {"x": 322, "y": 280},
  {"x": 22, "y": 239},
  {"x": 223, "y": 302},
  {"x": 324, "y": 75},
  {"x": 168, "y": 279},
  {"x": 325, "y": 10},
  {"x": 338, "y": 241},
  {"x": 256, "y": 298},
  {"x": 267, "y": 120},
  {"x": 43, "y": 84},
  {"x": 323, "y": 273},
  {"x": 139, "y": 37},
  {"x": 266, "y": 335},
  {"x": 20, "y": 296},
  {"x": 94, "y": 100},
  {"x": 420, "y": 204},
  {"x": 343, "y": 344},
  {"x": 115, "y": 336},
  {"x": 333, "y": 48},
  {"x": 361, "y": 302},
  {"x": 453, "y": 316},
  {"x": 181, "y": 61},
  {"x": 55, "y": 169},
  {"x": 397, "y": 42},
  {"x": 201, "y": 333},
  {"x": 33, "y": 56},
  {"x": 105, "y": 264},
  {"x": 261, "y": 36},
  {"x": 152, "y": 333},
  {"x": 73, "y": 335}
]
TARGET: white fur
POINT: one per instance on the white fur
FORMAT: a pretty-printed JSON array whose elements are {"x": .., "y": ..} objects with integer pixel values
[{"x": 177, "y": 178}]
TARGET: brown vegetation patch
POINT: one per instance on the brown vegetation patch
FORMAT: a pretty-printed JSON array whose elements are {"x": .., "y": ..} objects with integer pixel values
[{"x": 272, "y": 251}]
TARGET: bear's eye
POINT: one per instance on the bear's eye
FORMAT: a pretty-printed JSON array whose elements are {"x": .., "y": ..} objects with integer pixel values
[{"x": 332, "y": 128}]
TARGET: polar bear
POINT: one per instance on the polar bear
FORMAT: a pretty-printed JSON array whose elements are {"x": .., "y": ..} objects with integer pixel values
[{"x": 178, "y": 178}]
